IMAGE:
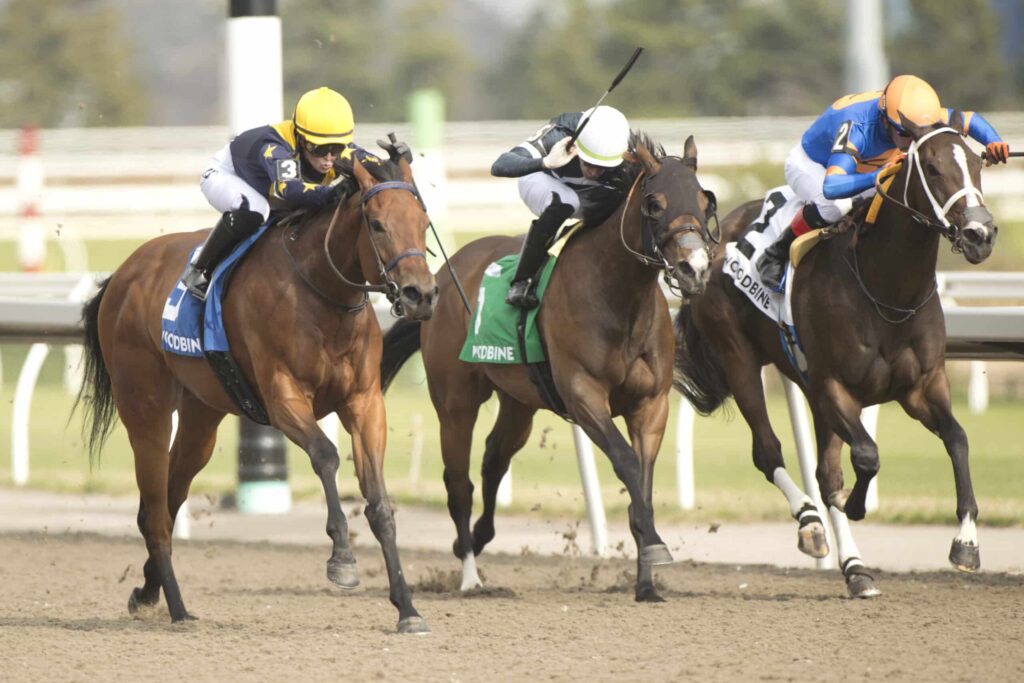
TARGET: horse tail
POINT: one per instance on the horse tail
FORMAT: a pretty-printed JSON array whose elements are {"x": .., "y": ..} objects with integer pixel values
[
  {"x": 698, "y": 374},
  {"x": 401, "y": 341},
  {"x": 96, "y": 395}
]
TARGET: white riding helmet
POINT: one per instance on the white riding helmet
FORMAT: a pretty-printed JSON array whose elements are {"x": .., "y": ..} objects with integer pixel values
[{"x": 605, "y": 138}]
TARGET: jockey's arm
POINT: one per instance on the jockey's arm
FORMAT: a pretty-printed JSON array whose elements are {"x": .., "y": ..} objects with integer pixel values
[
  {"x": 516, "y": 163},
  {"x": 842, "y": 179},
  {"x": 977, "y": 127},
  {"x": 287, "y": 183}
]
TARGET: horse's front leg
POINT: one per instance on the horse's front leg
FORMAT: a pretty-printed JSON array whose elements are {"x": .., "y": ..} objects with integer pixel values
[
  {"x": 832, "y": 402},
  {"x": 587, "y": 402},
  {"x": 859, "y": 582},
  {"x": 646, "y": 426},
  {"x": 364, "y": 418},
  {"x": 291, "y": 411},
  {"x": 929, "y": 403}
]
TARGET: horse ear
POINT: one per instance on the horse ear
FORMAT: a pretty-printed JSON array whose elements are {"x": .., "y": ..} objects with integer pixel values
[
  {"x": 915, "y": 130},
  {"x": 363, "y": 176},
  {"x": 690, "y": 153},
  {"x": 956, "y": 121},
  {"x": 650, "y": 164},
  {"x": 630, "y": 158}
]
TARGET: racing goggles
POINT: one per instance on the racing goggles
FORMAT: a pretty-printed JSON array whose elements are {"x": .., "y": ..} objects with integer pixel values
[{"x": 323, "y": 150}]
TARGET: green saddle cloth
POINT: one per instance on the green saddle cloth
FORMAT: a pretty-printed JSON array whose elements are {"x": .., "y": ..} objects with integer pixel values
[{"x": 492, "y": 336}]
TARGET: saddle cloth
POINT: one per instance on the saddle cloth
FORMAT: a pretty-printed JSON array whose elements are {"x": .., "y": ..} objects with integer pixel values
[
  {"x": 493, "y": 335},
  {"x": 190, "y": 327}
]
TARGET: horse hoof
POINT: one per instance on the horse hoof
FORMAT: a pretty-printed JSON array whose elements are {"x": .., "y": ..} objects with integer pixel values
[
  {"x": 416, "y": 626},
  {"x": 860, "y": 585},
  {"x": 343, "y": 574},
  {"x": 837, "y": 499},
  {"x": 648, "y": 594},
  {"x": 136, "y": 602},
  {"x": 184, "y": 619},
  {"x": 966, "y": 558},
  {"x": 656, "y": 554},
  {"x": 811, "y": 540}
]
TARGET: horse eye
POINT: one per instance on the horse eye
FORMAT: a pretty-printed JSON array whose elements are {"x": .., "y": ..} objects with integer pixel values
[
  {"x": 931, "y": 170},
  {"x": 652, "y": 207},
  {"x": 376, "y": 225}
]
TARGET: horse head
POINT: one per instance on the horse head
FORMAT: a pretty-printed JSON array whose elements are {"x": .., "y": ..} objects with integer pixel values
[
  {"x": 392, "y": 248},
  {"x": 948, "y": 187},
  {"x": 675, "y": 211}
]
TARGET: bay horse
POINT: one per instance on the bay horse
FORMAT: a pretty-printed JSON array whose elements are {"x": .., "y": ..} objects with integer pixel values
[
  {"x": 608, "y": 336},
  {"x": 305, "y": 340},
  {"x": 872, "y": 329}
]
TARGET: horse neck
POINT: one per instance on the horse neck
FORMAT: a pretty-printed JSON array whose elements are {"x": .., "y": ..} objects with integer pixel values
[
  {"x": 343, "y": 250},
  {"x": 616, "y": 275},
  {"x": 897, "y": 254}
]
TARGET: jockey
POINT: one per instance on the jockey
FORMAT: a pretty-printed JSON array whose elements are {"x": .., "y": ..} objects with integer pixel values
[
  {"x": 286, "y": 165},
  {"x": 844, "y": 150},
  {"x": 556, "y": 178}
]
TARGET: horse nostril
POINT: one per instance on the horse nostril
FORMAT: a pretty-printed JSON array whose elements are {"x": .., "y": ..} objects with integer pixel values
[
  {"x": 411, "y": 294},
  {"x": 684, "y": 269},
  {"x": 976, "y": 236}
]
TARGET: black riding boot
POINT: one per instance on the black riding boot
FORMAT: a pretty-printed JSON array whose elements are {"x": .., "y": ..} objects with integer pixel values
[
  {"x": 772, "y": 264},
  {"x": 531, "y": 256},
  {"x": 233, "y": 227}
]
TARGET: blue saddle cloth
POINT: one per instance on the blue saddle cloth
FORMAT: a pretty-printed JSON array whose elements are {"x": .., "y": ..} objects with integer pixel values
[{"x": 191, "y": 327}]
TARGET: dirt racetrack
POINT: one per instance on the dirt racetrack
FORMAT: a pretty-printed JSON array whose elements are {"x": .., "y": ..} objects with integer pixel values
[{"x": 268, "y": 613}]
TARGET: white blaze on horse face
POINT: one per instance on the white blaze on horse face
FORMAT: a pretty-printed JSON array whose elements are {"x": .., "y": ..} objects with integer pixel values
[
  {"x": 972, "y": 197},
  {"x": 699, "y": 261}
]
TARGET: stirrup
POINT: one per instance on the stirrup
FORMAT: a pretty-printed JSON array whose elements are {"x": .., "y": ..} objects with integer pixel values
[
  {"x": 520, "y": 295},
  {"x": 195, "y": 281}
]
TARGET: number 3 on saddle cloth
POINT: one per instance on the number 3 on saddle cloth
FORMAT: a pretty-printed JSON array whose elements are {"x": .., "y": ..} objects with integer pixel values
[
  {"x": 780, "y": 206},
  {"x": 503, "y": 334},
  {"x": 190, "y": 327}
]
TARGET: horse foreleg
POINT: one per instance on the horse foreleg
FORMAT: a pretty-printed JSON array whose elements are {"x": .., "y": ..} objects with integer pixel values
[
  {"x": 588, "y": 404},
  {"x": 509, "y": 434},
  {"x": 931, "y": 405},
  {"x": 859, "y": 583},
  {"x": 646, "y": 426},
  {"x": 365, "y": 419},
  {"x": 456, "y": 444},
  {"x": 841, "y": 412},
  {"x": 291, "y": 412}
]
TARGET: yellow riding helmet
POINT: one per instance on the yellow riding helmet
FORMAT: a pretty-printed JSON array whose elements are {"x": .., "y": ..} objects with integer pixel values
[
  {"x": 323, "y": 117},
  {"x": 912, "y": 97}
]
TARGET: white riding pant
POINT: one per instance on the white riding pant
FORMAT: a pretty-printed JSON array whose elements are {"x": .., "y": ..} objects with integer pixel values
[
  {"x": 806, "y": 178},
  {"x": 535, "y": 190},
  {"x": 224, "y": 189}
]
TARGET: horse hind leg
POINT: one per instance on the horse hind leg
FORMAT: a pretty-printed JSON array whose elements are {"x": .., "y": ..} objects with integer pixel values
[
  {"x": 456, "y": 444},
  {"x": 509, "y": 434}
]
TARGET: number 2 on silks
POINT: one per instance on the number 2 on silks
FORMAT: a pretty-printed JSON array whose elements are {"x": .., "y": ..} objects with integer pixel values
[{"x": 287, "y": 169}]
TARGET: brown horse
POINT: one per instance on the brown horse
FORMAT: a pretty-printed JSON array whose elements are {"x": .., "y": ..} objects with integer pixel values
[
  {"x": 872, "y": 329},
  {"x": 607, "y": 332},
  {"x": 306, "y": 342}
]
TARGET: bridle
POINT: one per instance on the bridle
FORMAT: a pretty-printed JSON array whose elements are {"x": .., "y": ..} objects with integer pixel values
[
  {"x": 390, "y": 288},
  {"x": 939, "y": 222},
  {"x": 653, "y": 243}
]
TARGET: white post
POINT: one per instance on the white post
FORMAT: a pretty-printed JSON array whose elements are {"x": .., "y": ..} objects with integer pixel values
[
  {"x": 503, "y": 497},
  {"x": 255, "y": 87},
  {"x": 807, "y": 454},
  {"x": 869, "y": 418},
  {"x": 977, "y": 388},
  {"x": 415, "y": 448},
  {"x": 591, "y": 491},
  {"x": 182, "y": 522},
  {"x": 21, "y": 412},
  {"x": 684, "y": 455}
]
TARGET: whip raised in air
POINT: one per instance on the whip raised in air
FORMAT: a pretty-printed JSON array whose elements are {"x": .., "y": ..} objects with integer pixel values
[{"x": 618, "y": 79}]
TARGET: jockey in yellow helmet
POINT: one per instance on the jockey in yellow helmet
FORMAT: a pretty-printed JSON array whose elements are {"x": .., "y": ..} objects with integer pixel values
[
  {"x": 843, "y": 151},
  {"x": 286, "y": 165}
]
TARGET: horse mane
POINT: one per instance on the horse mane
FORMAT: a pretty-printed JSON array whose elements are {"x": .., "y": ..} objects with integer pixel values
[
  {"x": 382, "y": 170},
  {"x": 602, "y": 202}
]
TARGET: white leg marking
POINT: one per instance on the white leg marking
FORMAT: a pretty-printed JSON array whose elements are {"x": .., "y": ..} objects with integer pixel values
[
  {"x": 470, "y": 579},
  {"x": 968, "y": 532},
  {"x": 797, "y": 498},
  {"x": 848, "y": 549}
]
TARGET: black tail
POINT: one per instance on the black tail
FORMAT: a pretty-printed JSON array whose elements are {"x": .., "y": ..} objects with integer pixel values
[
  {"x": 401, "y": 341},
  {"x": 96, "y": 395},
  {"x": 699, "y": 375}
]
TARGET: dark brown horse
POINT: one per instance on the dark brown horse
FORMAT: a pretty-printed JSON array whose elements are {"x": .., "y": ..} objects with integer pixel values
[
  {"x": 872, "y": 328},
  {"x": 608, "y": 335},
  {"x": 306, "y": 342}
]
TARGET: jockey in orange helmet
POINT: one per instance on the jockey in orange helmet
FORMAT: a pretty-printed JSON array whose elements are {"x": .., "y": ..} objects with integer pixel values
[{"x": 843, "y": 151}]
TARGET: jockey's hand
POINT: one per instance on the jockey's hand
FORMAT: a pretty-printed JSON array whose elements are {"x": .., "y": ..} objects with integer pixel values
[
  {"x": 560, "y": 154},
  {"x": 342, "y": 189},
  {"x": 996, "y": 153},
  {"x": 891, "y": 166},
  {"x": 396, "y": 150}
]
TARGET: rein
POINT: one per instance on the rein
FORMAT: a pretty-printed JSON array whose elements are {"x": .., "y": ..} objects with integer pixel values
[{"x": 390, "y": 287}]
